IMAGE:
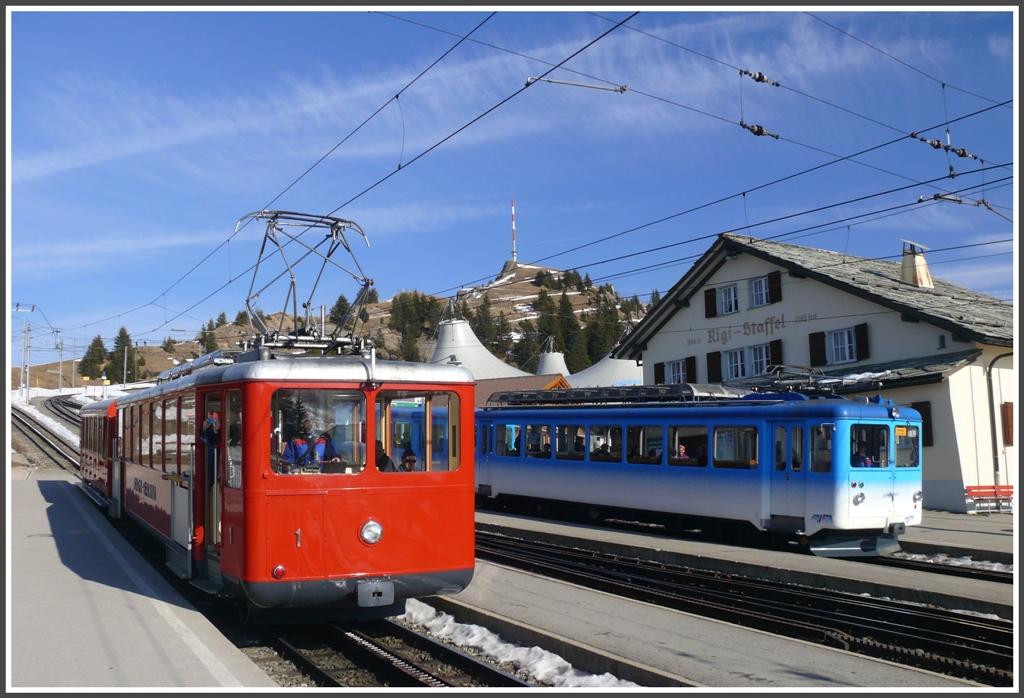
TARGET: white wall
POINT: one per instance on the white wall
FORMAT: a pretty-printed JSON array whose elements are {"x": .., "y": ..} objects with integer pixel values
[{"x": 807, "y": 306}]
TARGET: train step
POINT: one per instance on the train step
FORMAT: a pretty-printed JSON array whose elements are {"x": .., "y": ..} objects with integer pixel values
[{"x": 209, "y": 587}]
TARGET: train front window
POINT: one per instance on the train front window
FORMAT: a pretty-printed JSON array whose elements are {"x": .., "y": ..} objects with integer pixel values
[
  {"x": 317, "y": 431},
  {"x": 417, "y": 431},
  {"x": 606, "y": 443},
  {"x": 735, "y": 447},
  {"x": 908, "y": 452},
  {"x": 869, "y": 446}
]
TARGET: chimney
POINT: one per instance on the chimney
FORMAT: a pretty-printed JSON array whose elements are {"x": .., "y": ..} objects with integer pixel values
[{"x": 915, "y": 268}]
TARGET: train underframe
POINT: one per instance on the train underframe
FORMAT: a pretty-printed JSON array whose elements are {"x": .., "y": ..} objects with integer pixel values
[{"x": 782, "y": 534}]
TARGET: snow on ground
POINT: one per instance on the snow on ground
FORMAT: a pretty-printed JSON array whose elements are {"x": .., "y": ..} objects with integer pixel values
[
  {"x": 542, "y": 665},
  {"x": 57, "y": 427},
  {"x": 944, "y": 559}
]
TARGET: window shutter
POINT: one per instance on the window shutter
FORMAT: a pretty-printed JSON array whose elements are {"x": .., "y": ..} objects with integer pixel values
[
  {"x": 819, "y": 357},
  {"x": 1008, "y": 424},
  {"x": 710, "y": 303},
  {"x": 860, "y": 333},
  {"x": 925, "y": 408},
  {"x": 691, "y": 369},
  {"x": 659, "y": 373},
  {"x": 775, "y": 351},
  {"x": 774, "y": 286},
  {"x": 714, "y": 367}
]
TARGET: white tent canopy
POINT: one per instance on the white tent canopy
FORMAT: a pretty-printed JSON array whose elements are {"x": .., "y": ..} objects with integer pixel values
[
  {"x": 456, "y": 338},
  {"x": 608, "y": 372}
]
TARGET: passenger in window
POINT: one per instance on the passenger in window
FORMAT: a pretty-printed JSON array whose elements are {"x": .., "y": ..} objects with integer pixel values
[
  {"x": 602, "y": 452},
  {"x": 304, "y": 450},
  {"x": 578, "y": 446},
  {"x": 546, "y": 452},
  {"x": 409, "y": 461},
  {"x": 384, "y": 462},
  {"x": 861, "y": 457},
  {"x": 682, "y": 453},
  {"x": 702, "y": 455},
  {"x": 211, "y": 437}
]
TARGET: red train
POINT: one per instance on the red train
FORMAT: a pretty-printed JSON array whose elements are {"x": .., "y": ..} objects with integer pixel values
[{"x": 263, "y": 476}]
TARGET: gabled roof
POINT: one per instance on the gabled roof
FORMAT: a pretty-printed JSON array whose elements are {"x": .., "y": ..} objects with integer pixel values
[
  {"x": 968, "y": 314},
  {"x": 489, "y": 386}
]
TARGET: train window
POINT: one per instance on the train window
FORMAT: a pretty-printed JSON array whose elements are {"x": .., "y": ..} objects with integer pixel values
[
  {"x": 780, "y": 448},
  {"x": 821, "y": 448},
  {"x": 688, "y": 446},
  {"x": 869, "y": 446},
  {"x": 538, "y": 440},
  {"x": 908, "y": 451},
  {"x": 424, "y": 430},
  {"x": 187, "y": 430},
  {"x": 796, "y": 449},
  {"x": 570, "y": 442},
  {"x": 158, "y": 435},
  {"x": 735, "y": 447},
  {"x": 506, "y": 440},
  {"x": 144, "y": 446},
  {"x": 644, "y": 444},
  {"x": 317, "y": 431},
  {"x": 171, "y": 435},
  {"x": 136, "y": 433},
  {"x": 606, "y": 444},
  {"x": 233, "y": 416}
]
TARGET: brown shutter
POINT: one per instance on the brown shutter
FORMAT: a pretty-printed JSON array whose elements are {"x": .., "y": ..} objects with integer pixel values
[
  {"x": 659, "y": 373},
  {"x": 1007, "y": 423},
  {"x": 774, "y": 286},
  {"x": 691, "y": 369},
  {"x": 860, "y": 333},
  {"x": 714, "y": 367},
  {"x": 925, "y": 408},
  {"x": 775, "y": 352},
  {"x": 710, "y": 303},
  {"x": 819, "y": 356}
]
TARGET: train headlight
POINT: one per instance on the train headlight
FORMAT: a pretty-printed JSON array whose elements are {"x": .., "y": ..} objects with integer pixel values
[
  {"x": 371, "y": 532},
  {"x": 278, "y": 572},
  {"x": 894, "y": 412},
  {"x": 858, "y": 499}
]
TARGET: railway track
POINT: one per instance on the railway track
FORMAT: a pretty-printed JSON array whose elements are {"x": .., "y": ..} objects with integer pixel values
[
  {"x": 972, "y": 647},
  {"x": 384, "y": 653},
  {"x": 45, "y": 441},
  {"x": 977, "y": 573},
  {"x": 66, "y": 409}
]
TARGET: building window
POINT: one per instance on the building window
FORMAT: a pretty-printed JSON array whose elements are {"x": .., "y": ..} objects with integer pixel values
[
  {"x": 735, "y": 364},
  {"x": 760, "y": 359},
  {"x": 759, "y": 292},
  {"x": 728, "y": 300},
  {"x": 843, "y": 346},
  {"x": 677, "y": 372}
]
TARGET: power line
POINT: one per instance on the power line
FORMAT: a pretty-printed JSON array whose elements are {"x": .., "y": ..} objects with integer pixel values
[{"x": 904, "y": 63}]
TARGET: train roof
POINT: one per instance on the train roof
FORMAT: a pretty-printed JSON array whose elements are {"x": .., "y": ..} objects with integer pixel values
[
  {"x": 342, "y": 369},
  {"x": 98, "y": 406},
  {"x": 782, "y": 406}
]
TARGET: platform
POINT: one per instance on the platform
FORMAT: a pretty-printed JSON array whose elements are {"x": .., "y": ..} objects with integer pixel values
[
  {"x": 87, "y": 611},
  {"x": 955, "y": 593}
]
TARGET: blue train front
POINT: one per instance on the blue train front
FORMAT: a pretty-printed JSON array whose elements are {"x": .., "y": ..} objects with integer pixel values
[{"x": 841, "y": 476}]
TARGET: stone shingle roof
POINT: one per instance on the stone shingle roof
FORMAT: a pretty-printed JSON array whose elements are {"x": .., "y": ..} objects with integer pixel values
[{"x": 968, "y": 314}]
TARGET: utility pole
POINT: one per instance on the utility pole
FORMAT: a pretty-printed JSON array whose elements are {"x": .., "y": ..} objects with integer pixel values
[
  {"x": 60, "y": 370},
  {"x": 74, "y": 350},
  {"x": 24, "y": 347},
  {"x": 28, "y": 365},
  {"x": 124, "y": 374}
]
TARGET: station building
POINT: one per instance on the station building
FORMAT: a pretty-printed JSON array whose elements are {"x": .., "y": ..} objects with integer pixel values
[{"x": 859, "y": 326}]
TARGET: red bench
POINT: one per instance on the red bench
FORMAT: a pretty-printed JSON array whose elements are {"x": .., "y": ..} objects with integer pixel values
[{"x": 988, "y": 495}]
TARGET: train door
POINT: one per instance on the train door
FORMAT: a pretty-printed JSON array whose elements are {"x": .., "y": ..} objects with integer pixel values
[
  {"x": 872, "y": 476},
  {"x": 788, "y": 472},
  {"x": 213, "y": 438}
]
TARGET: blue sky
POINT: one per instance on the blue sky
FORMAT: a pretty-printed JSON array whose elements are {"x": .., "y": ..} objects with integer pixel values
[{"x": 139, "y": 139}]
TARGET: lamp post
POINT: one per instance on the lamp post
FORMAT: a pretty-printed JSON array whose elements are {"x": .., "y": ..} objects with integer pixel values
[{"x": 24, "y": 345}]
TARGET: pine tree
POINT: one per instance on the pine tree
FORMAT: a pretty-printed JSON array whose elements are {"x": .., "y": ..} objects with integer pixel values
[
  {"x": 655, "y": 298},
  {"x": 587, "y": 283},
  {"x": 242, "y": 319},
  {"x": 340, "y": 310},
  {"x": 222, "y": 319},
  {"x": 168, "y": 345},
  {"x": 483, "y": 323},
  {"x": 548, "y": 324},
  {"x": 372, "y": 297},
  {"x": 502, "y": 338},
  {"x": 409, "y": 349},
  {"x": 91, "y": 365},
  {"x": 123, "y": 363},
  {"x": 526, "y": 352}
]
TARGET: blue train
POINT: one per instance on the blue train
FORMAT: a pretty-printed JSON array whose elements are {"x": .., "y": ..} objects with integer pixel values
[{"x": 840, "y": 476}]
